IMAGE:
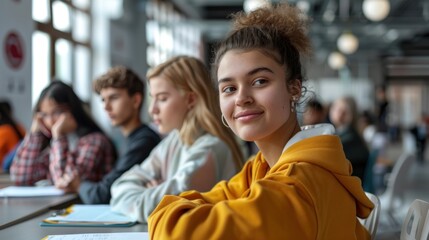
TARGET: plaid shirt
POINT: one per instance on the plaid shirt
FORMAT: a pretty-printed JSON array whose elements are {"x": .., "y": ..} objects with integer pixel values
[{"x": 92, "y": 158}]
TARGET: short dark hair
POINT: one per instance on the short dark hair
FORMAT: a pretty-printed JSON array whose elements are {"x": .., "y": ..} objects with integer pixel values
[
  {"x": 5, "y": 107},
  {"x": 315, "y": 104}
]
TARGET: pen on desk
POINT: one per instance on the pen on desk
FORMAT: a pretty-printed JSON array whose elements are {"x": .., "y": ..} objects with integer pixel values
[{"x": 61, "y": 212}]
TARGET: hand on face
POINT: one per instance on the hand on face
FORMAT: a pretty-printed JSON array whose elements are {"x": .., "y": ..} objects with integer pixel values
[
  {"x": 38, "y": 126},
  {"x": 65, "y": 124}
]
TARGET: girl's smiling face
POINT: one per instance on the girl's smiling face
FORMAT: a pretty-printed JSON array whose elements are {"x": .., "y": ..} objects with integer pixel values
[{"x": 254, "y": 98}]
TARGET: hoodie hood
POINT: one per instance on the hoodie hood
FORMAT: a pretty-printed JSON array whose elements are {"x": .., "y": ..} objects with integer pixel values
[{"x": 318, "y": 147}]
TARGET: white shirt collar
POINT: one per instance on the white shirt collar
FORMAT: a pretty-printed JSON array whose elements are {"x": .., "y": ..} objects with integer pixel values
[{"x": 311, "y": 131}]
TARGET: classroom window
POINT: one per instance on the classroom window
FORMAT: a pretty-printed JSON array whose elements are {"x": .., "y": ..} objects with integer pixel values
[
  {"x": 82, "y": 73},
  {"x": 62, "y": 39},
  {"x": 61, "y": 16},
  {"x": 40, "y": 64},
  {"x": 81, "y": 26},
  {"x": 41, "y": 10},
  {"x": 63, "y": 60},
  {"x": 168, "y": 34}
]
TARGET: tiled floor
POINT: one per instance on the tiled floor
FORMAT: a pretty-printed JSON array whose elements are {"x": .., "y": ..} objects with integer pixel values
[{"x": 418, "y": 188}]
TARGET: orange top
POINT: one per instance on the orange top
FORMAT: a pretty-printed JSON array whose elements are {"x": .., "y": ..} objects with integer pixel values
[{"x": 8, "y": 139}]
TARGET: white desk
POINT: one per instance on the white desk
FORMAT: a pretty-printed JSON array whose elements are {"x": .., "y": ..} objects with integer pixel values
[
  {"x": 30, "y": 229},
  {"x": 5, "y": 180},
  {"x": 15, "y": 210}
]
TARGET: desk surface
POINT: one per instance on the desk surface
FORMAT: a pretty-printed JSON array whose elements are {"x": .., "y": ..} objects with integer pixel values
[
  {"x": 15, "y": 210},
  {"x": 31, "y": 229},
  {"x": 5, "y": 180}
]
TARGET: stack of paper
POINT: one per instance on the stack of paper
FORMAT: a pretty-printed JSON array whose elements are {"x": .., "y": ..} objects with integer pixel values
[{"x": 89, "y": 216}]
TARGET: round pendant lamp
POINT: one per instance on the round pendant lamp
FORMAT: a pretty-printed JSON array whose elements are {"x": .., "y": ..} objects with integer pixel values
[
  {"x": 376, "y": 10},
  {"x": 336, "y": 60},
  {"x": 347, "y": 43},
  {"x": 251, "y": 5}
]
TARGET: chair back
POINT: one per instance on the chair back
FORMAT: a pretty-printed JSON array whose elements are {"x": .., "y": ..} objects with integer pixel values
[
  {"x": 425, "y": 231},
  {"x": 397, "y": 182},
  {"x": 371, "y": 222},
  {"x": 414, "y": 222}
]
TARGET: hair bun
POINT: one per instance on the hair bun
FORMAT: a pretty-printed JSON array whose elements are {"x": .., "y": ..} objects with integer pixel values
[{"x": 289, "y": 21}]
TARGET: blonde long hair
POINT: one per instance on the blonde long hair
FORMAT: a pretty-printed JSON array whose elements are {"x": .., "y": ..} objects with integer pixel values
[{"x": 189, "y": 74}]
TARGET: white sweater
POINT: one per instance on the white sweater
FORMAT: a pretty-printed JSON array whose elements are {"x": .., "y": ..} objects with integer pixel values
[{"x": 177, "y": 167}]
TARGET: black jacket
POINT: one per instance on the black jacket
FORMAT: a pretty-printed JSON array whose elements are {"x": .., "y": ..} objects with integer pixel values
[{"x": 138, "y": 147}]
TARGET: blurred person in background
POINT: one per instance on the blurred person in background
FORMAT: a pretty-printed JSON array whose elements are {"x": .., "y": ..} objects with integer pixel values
[
  {"x": 122, "y": 92},
  {"x": 314, "y": 113},
  {"x": 64, "y": 143},
  {"x": 344, "y": 116},
  {"x": 11, "y": 133},
  {"x": 420, "y": 134}
]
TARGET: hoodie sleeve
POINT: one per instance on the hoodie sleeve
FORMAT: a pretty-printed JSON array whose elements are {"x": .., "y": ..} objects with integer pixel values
[{"x": 258, "y": 213}]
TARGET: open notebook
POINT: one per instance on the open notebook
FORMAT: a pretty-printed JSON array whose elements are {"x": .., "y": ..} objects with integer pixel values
[
  {"x": 81, "y": 215},
  {"x": 100, "y": 236}
]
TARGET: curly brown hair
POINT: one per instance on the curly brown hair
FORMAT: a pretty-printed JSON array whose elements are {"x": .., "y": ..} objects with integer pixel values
[
  {"x": 279, "y": 31},
  {"x": 120, "y": 77}
]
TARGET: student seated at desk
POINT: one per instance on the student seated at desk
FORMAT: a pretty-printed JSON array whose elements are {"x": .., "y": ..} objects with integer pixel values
[
  {"x": 64, "y": 142},
  {"x": 299, "y": 185},
  {"x": 122, "y": 92},
  {"x": 197, "y": 153}
]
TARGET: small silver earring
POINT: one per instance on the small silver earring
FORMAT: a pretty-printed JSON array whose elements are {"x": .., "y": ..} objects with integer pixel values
[{"x": 224, "y": 121}]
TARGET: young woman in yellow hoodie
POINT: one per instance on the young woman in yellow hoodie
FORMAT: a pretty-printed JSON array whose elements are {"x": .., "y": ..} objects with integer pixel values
[{"x": 299, "y": 186}]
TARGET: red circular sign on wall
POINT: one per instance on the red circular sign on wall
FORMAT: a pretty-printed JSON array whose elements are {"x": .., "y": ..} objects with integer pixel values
[{"x": 14, "y": 50}]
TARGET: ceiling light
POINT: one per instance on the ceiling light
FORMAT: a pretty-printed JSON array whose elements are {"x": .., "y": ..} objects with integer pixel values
[
  {"x": 251, "y": 5},
  {"x": 347, "y": 43},
  {"x": 376, "y": 10},
  {"x": 336, "y": 60},
  {"x": 303, "y": 6}
]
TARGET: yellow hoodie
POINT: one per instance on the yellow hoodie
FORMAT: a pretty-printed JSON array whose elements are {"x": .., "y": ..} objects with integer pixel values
[{"x": 308, "y": 194}]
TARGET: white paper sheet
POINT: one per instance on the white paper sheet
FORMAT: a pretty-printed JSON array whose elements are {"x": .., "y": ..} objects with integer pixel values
[
  {"x": 101, "y": 236},
  {"x": 24, "y": 191},
  {"x": 87, "y": 214}
]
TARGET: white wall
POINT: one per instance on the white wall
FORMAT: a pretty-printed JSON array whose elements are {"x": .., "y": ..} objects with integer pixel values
[
  {"x": 16, "y": 28},
  {"x": 329, "y": 89}
]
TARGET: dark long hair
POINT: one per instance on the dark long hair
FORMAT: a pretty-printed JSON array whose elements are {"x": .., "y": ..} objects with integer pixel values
[
  {"x": 63, "y": 94},
  {"x": 7, "y": 118}
]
